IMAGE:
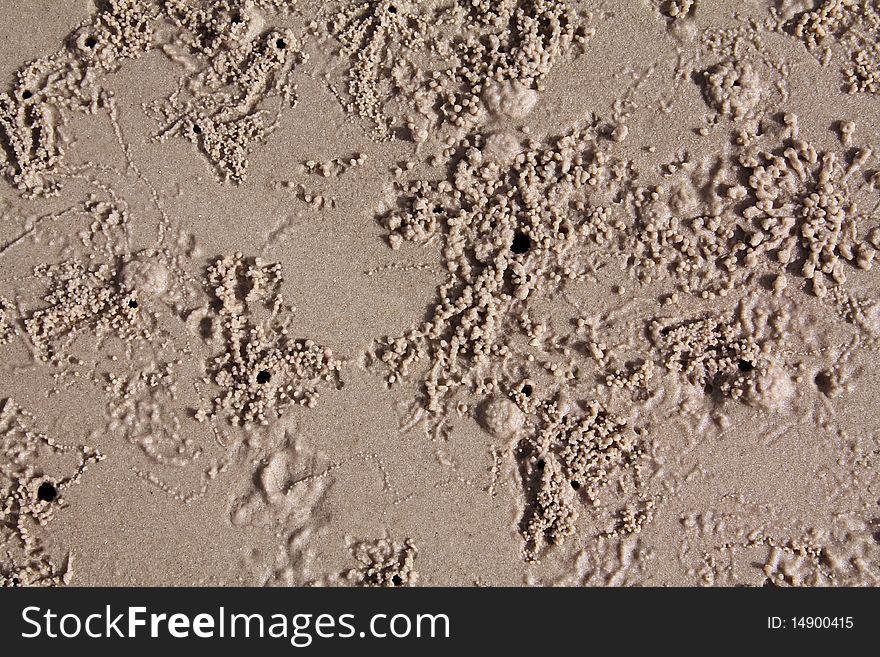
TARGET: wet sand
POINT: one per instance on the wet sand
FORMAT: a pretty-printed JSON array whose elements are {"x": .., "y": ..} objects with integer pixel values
[{"x": 456, "y": 293}]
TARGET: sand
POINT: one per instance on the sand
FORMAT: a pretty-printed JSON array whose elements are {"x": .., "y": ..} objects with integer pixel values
[{"x": 397, "y": 293}]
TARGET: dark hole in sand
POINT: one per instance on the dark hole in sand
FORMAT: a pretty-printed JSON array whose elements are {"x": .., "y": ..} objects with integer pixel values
[
  {"x": 521, "y": 243},
  {"x": 745, "y": 366},
  {"x": 397, "y": 580},
  {"x": 263, "y": 376},
  {"x": 90, "y": 42},
  {"x": 527, "y": 390},
  {"x": 47, "y": 492},
  {"x": 132, "y": 303},
  {"x": 824, "y": 382}
]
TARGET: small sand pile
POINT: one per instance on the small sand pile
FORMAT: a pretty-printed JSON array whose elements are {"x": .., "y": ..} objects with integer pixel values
[
  {"x": 383, "y": 562},
  {"x": 35, "y": 472},
  {"x": 262, "y": 369}
]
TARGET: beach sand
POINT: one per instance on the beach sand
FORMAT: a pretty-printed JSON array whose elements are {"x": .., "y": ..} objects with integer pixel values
[{"x": 450, "y": 293}]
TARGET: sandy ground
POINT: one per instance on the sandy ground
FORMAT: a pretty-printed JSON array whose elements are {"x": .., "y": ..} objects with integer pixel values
[{"x": 397, "y": 293}]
